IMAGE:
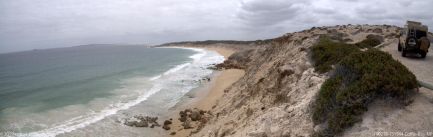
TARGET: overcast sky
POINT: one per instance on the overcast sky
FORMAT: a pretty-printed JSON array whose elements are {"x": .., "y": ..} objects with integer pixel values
[{"x": 37, "y": 24}]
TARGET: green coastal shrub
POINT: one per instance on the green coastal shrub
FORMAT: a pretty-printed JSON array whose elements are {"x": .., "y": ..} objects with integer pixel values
[
  {"x": 357, "y": 80},
  {"x": 327, "y": 53},
  {"x": 369, "y": 42}
]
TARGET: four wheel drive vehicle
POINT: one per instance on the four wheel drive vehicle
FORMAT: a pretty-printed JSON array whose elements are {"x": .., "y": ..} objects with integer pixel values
[{"x": 413, "y": 39}]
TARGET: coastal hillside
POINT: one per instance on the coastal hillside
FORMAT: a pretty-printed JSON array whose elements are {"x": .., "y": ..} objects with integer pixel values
[{"x": 284, "y": 83}]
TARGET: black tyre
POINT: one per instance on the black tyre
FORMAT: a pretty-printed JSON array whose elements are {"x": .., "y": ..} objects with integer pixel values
[{"x": 423, "y": 54}]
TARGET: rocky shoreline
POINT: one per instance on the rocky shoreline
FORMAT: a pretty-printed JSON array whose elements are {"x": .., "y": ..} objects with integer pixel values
[{"x": 194, "y": 119}]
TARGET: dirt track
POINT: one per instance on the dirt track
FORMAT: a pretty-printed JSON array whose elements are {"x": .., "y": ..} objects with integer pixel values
[{"x": 422, "y": 68}]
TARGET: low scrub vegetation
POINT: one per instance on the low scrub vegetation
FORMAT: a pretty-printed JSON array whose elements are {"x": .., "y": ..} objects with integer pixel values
[
  {"x": 370, "y": 42},
  {"x": 327, "y": 53},
  {"x": 358, "y": 79}
]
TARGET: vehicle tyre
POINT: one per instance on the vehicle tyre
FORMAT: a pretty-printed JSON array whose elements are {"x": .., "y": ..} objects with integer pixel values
[
  {"x": 423, "y": 54},
  {"x": 403, "y": 53},
  {"x": 399, "y": 46}
]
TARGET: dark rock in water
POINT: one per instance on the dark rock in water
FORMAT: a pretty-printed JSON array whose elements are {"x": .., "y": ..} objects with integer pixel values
[
  {"x": 173, "y": 133},
  {"x": 166, "y": 127},
  {"x": 167, "y": 122}
]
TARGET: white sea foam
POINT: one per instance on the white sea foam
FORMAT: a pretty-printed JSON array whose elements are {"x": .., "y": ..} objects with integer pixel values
[
  {"x": 190, "y": 70},
  {"x": 195, "y": 57},
  {"x": 176, "y": 68}
]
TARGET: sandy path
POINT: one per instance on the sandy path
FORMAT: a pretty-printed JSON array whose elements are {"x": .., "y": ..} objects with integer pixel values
[{"x": 422, "y": 68}]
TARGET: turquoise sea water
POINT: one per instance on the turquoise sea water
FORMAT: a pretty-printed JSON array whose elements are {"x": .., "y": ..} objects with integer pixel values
[{"x": 61, "y": 91}]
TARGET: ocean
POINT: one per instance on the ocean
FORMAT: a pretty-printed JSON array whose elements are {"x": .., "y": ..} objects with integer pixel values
[{"x": 89, "y": 90}]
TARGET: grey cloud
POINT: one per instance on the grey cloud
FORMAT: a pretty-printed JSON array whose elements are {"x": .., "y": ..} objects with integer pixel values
[
  {"x": 395, "y": 12},
  {"x": 324, "y": 11},
  {"x": 405, "y": 3},
  {"x": 30, "y": 24},
  {"x": 259, "y": 13}
]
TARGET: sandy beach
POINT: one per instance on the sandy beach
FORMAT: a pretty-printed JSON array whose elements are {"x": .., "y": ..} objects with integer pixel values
[{"x": 208, "y": 96}]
